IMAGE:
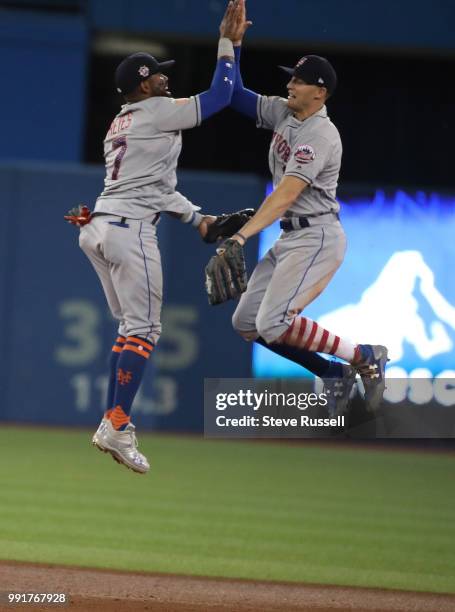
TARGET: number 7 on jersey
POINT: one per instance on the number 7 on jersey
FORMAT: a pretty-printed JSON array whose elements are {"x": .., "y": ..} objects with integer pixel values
[{"x": 118, "y": 143}]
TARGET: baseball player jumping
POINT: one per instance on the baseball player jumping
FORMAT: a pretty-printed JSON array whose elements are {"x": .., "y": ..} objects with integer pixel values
[
  {"x": 304, "y": 159},
  {"x": 141, "y": 150}
]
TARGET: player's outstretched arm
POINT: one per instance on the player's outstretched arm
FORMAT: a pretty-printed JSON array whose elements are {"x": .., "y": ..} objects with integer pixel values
[
  {"x": 186, "y": 113},
  {"x": 273, "y": 207},
  {"x": 243, "y": 100},
  {"x": 220, "y": 93},
  {"x": 211, "y": 228},
  {"x": 266, "y": 111}
]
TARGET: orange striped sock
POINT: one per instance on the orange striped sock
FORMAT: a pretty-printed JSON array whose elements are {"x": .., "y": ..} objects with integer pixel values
[
  {"x": 139, "y": 346},
  {"x": 119, "y": 419},
  {"x": 130, "y": 370},
  {"x": 107, "y": 414},
  {"x": 119, "y": 344},
  {"x": 113, "y": 360}
]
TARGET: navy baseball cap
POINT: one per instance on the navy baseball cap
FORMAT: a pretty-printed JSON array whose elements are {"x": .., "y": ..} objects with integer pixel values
[
  {"x": 137, "y": 68},
  {"x": 314, "y": 70}
]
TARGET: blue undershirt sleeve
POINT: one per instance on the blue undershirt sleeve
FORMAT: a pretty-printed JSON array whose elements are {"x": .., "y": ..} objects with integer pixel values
[
  {"x": 243, "y": 100},
  {"x": 220, "y": 93}
]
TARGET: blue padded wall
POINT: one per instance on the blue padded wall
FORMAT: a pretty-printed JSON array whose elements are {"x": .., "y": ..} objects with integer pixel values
[
  {"x": 57, "y": 332},
  {"x": 44, "y": 59}
]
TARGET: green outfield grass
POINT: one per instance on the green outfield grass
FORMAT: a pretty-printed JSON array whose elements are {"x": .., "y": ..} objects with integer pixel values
[{"x": 218, "y": 508}]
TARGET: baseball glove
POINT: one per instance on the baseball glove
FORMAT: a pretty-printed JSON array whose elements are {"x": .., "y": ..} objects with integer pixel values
[
  {"x": 79, "y": 215},
  {"x": 227, "y": 225},
  {"x": 225, "y": 274}
]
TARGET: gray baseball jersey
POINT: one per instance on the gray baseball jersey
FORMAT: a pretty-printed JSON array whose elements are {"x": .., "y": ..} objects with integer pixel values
[
  {"x": 141, "y": 151},
  {"x": 301, "y": 262},
  {"x": 309, "y": 149}
]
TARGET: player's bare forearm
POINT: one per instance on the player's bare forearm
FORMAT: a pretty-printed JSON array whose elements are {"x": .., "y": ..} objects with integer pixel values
[
  {"x": 274, "y": 206},
  {"x": 241, "y": 23},
  {"x": 230, "y": 27},
  {"x": 200, "y": 221}
]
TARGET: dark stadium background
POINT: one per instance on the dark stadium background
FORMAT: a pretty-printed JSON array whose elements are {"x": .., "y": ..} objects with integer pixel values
[{"x": 395, "y": 112}]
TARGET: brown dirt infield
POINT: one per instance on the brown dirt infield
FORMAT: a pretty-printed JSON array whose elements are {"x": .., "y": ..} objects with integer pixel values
[{"x": 92, "y": 590}]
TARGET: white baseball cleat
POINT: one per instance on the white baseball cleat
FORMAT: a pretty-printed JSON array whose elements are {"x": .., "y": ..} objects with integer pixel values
[
  {"x": 100, "y": 430},
  {"x": 122, "y": 445}
]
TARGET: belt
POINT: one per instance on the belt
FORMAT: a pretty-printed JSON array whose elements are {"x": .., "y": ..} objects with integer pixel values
[
  {"x": 294, "y": 223},
  {"x": 125, "y": 219}
]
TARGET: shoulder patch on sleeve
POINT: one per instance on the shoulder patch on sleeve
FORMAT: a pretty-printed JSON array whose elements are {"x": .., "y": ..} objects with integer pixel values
[{"x": 304, "y": 154}]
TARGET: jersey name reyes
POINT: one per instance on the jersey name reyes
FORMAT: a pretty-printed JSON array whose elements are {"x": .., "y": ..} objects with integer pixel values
[{"x": 119, "y": 124}]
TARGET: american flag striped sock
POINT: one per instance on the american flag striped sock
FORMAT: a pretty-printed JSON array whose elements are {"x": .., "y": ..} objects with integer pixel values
[{"x": 308, "y": 335}]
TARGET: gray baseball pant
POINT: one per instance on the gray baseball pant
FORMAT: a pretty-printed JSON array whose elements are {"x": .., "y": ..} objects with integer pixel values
[
  {"x": 292, "y": 273},
  {"x": 128, "y": 263}
]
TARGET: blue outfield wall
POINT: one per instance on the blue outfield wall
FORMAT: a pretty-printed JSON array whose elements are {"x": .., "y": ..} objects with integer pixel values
[
  {"x": 415, "y": 24},
  {"x": 44, "y": 72},
  {"x": 57, "y": 331}
]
